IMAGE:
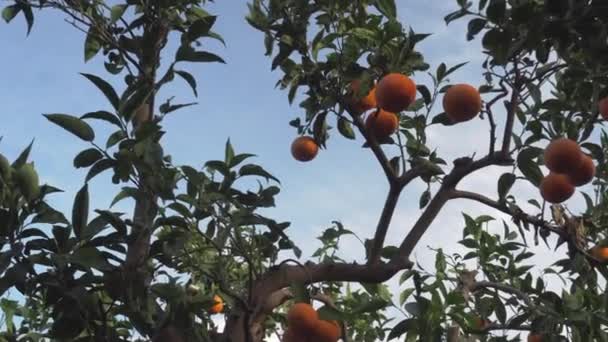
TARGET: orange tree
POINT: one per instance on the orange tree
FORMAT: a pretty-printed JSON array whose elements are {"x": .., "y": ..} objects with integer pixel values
[{"x": 113, "y": 277}]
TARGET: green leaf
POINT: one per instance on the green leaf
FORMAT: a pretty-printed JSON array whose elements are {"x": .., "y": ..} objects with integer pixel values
[
  {"x": 496, "y": 10},
  {"x": 115, "y": 138},
  {"x": 401, "y": 328},
  {"x": 387, "y": 7},
  {"x": 300, "y": 293},
  {"x": 188, "y": 78},
  {"x": 103, "y": 115},
  {"x": 256, "y": 170},
  {"x": 505, "y": 182},
  {"x": 23, "y": 156},
  {"x": 10, "y": 12},
  {"x": 91, "y": 45},
  {"x": 87, "y": 158},
  {"x": 240, "y": 158},
  {"x": 80, "y": 210},
  {"x": 425, "y": 198},
  {"x": 345, "y": 128},
  {"x": 105, "y": 88},
  {"x": 440, "y": 73},
  {"x": 426, "y": 94},
  {"x": 188, "y": 54},
  {"x": 90, "y": 257},
  {"x": 29, "y": 16},
  {"x": 329, "y": 313},
  {"x": 475, "y": 26},
  {"x": 117, "y": 11},
  {"x": 73, "y": 125},
  {"x": 126, "y": 192},
  {"x": 201, "y": 27},
  {"x": 228, "y": 153},
  {"x": 528, "y": 167},
  {"x": 128, "y": 107},
  {"x": 98, "y": 168}
]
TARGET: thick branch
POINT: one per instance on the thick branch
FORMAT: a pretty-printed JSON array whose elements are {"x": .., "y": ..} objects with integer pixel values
[
  {"x": 462, "y": 168},
  {"x": 385, "y": 219},
  {"x": 506, "y": 142}
]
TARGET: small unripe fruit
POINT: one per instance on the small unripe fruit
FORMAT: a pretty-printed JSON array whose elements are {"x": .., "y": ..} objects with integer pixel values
[
  {"x": 562, "y": 155},
  {"x": 556, "y": 188},
  {"x": 28, "y": 181},
  {"x": 304, "y": 149}
]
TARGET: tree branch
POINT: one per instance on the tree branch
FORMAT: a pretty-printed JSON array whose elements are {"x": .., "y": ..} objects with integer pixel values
[
  {"x": 462, "y": 168},
  {"x": 514, "y": 212},
  {"x": 383, "y": 224},
  {"x": 505, "y": 288},
  {"x": 376, "y": 149},
  {"x": 506, "y": 142}
]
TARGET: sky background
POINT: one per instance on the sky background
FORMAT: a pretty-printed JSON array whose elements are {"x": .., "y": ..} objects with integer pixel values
[{"x": 237, "y": 100}]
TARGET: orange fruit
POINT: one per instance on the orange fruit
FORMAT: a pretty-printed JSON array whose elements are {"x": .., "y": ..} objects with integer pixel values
[
  {"x": 481, "y": 323},
  {"x": 326, "y": 331},
  {"x": 363, "y": 104},
  {"x": 603, "y": 107},
  {"x": 584, "y": 173},
  {"x": 600, "y": 253},
  {"x": 461, "y": 102},
  {"x": 395, "y": 92},
  {"x": 556, "y": 188},
  {"x": 563, "y": 155},
  {"x": 381, "y": 124},
  {"x": 302, "y": 317},
  {"x": 532, "y": 337},
  {"x": 218, "y": 307},
  {"x": 292, "y": 336},
  {"x": 304, "y": 148}
]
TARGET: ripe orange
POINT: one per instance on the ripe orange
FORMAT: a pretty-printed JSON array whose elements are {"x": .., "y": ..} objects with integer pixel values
[
  {"x": 395, "y": 92},
  {"x": 304, "y": 148},
  {"x": 584, "y": 173},
  {"x": 381, "y": 124},
  {"x": 600, "y": 253},
  {"x": 218, "y": 307},
  {"x": 532, "y": 337},
  {"x": 603, "y": 107},
  {"x": 326, "y": 331},
  {"x": 556, "y": 188},
  {"x": 302, "y": 317},
  {"x": 292, "y": 336},
  {"x": 562, "y": 155},
  {"x": 364, "y": 104},
  {"x": 461, "y": 102},
  {"x": 481, "y": 323}
]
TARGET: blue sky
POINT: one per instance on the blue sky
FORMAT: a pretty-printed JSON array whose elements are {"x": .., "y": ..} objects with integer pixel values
[{"x": 39, "y": 74}]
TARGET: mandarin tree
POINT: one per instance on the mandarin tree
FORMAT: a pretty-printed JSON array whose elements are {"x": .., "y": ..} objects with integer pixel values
[{"x": 197, "y": 238}]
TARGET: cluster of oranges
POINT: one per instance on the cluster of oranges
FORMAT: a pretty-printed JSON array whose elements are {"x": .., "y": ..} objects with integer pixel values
[
  {"x": 304, "y": 325},
  {"x": 392, "y": 94},
  {"x": 569, "y": 167}
]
